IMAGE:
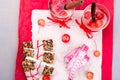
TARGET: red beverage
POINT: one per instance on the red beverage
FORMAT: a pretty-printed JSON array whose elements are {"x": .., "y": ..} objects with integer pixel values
[
  {"x": 57, "y": 9},
  {"x": 102, "y": 17}
]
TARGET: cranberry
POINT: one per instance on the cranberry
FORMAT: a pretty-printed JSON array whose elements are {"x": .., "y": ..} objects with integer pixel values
[
  {"x": 99, "y": 23},
  {"x": 99, "y": 15},
  {"x": 41, "y": 22},
  {"x": 96, "y": 53},
  {"x": 90, "y": 75},
  {"x": 87, "y": 15},
  {"x": 65, "y": 38}
]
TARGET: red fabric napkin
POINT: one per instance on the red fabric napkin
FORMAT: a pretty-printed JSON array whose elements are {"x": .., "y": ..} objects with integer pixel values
[{"x": 24, "y": 34}]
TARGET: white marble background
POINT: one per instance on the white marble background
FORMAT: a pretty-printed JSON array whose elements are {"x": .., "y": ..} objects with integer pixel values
[{"x": 9, "y": 10}]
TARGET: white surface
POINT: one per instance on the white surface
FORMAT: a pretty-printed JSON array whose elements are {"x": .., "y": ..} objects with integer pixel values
[
  {"x": 8, "y": 39},
  {"x": 78, "y": 38}
]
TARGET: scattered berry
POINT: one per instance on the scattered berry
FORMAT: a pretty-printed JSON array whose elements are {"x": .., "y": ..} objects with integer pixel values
[
  {"x": 90, "y": 75},
  {"x": 87, "y": 15},
  {"x": 65, "y": 38},
  {"x": 41, "y": 22},
  {"x": 96, "y": 53},
  {"x": 99, "y": 15},
  {"x": 46, "y": 77}
]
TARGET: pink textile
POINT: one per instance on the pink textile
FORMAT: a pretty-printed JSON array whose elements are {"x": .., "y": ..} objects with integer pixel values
[
  {"x": 24, "y": 34},
  {"x": 78, "y": 58}
]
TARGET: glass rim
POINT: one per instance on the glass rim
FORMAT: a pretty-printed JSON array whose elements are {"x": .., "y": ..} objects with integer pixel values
[{"x": 105, "y": 10}]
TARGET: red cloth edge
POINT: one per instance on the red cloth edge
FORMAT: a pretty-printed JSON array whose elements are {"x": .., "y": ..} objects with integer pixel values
[{"x": 108, "y": 45}]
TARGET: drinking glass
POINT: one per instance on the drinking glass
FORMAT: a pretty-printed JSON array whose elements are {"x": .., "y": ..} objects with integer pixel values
[
  {"x": 102, "y": 17},
  {"x": 58, "y": 11}
]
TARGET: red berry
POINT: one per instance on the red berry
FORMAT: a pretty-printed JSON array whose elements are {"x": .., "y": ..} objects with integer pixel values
[
  {"x": 63, "y": 13},
  {"x": 55, "y": 2},
  {"x": 99, "y": 15},
  {"x": 63, "y": 1},
  {"x": 46, "y": 77},
  {"x": 87, "y": 15},
  {"x": 41, "y": 22},
  {"x": 57, "y": 8},
  {"x": 89, "y": 23},
  {"x": 99, "y": 22},
  {"x": 94, "y": 25},
  {"x": 90, "y": 75},
  {"x": 65, "y": 38},
  {"x": 96, "y": 53}
]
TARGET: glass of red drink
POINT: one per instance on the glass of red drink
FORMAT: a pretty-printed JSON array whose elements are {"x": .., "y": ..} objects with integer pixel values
[
  {"x": 102, "y": 17},
  {"x": 58, "y": 11}
]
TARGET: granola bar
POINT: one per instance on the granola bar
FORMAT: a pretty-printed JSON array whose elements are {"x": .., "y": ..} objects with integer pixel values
[
  {"x": 28, "y": 65},
  {"x": 27, "y": 44},
  {"x": 28, "y": 53},
  {"x": 48, "y": 57},
  {"x": 48, "y": 44},
  {"x": 47, "y": 70}
]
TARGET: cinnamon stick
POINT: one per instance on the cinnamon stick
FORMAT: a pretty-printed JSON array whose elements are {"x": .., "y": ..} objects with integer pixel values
[
  {"x": 73, "y": 4},
  {"x": 93, "y": 10}
]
